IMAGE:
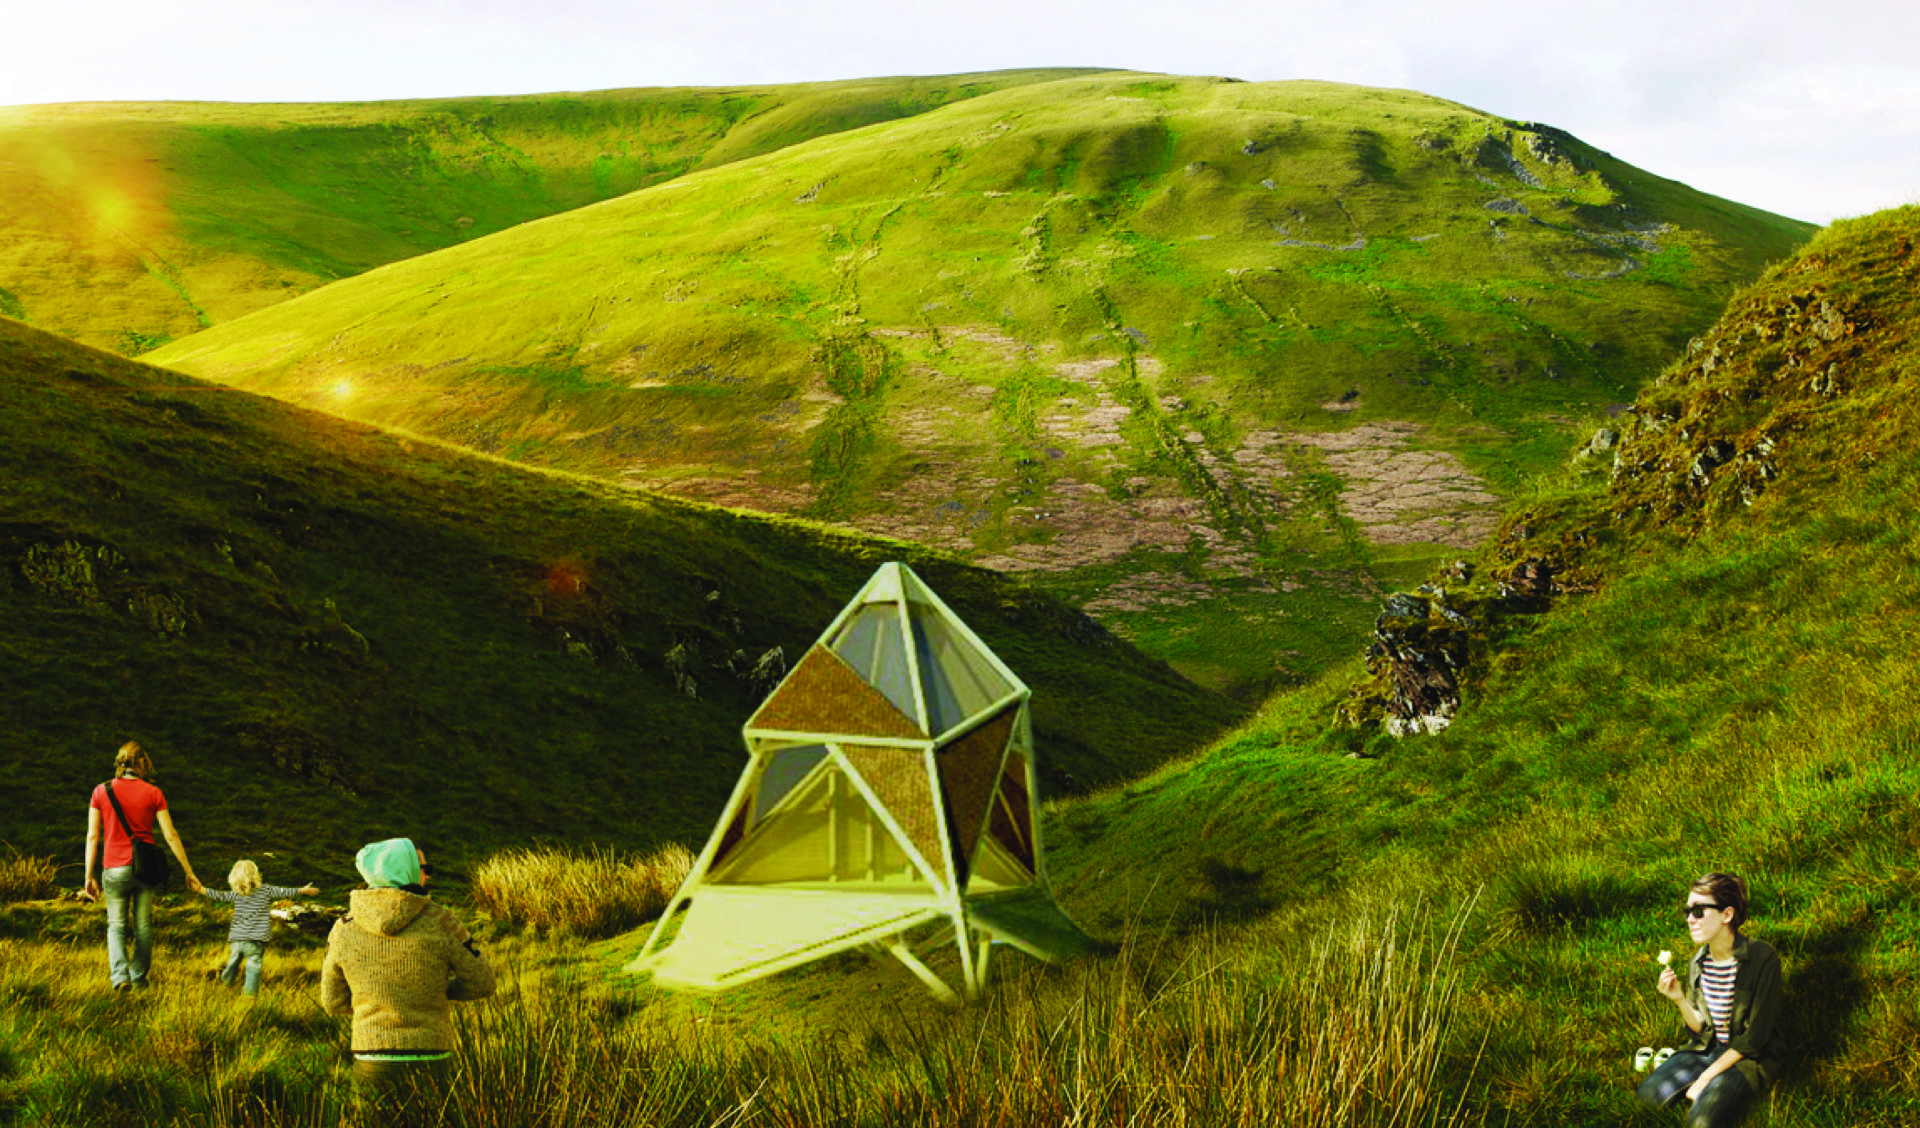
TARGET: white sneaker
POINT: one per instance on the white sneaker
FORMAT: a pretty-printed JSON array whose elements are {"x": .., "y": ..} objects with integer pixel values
[
  {"x": 1660, "y": 1058},
  {"x": 1642, "y": 1059}
]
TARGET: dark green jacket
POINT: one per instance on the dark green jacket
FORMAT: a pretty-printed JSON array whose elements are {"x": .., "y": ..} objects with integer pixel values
[{"x": 1754, "y": 1027}]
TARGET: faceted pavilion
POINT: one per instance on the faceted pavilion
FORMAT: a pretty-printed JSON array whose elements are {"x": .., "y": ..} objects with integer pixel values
[{"x": 887, "y": 804}]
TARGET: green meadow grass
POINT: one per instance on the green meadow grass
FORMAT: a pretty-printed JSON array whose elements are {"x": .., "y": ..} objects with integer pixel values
[{"x": 1353, "y": 1026}]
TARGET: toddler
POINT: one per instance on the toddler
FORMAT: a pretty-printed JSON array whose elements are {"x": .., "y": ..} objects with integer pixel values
[{"x": 252, "y": 927}]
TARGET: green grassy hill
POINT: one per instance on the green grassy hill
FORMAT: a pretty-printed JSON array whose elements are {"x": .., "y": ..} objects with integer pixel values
[
  {"x": 327, "y": 633},
  {"x": 125, "y": 225},
  {"x": 1182, "y": 346},
  {"x": 1728, "y": 695}
]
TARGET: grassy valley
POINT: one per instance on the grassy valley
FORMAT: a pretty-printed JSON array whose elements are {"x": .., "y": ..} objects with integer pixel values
[
  {"x": 1457, "y": 929},
  {"x": 327, "y": 633},
  {"x": 1258, "y": 356},
  {"x": 1220, "y": 361}
]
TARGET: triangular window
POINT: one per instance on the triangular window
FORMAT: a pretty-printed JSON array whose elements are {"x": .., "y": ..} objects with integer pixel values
[
  {"x": 871, "y": 642},
  {"x": 959, "y": 682},
  {"x": 784, "y": 771},
  {"x": 824, "y": 833},
  {"x": 994, "y": 869}
]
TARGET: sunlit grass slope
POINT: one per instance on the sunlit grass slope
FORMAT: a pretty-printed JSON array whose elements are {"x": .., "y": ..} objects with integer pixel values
[
  {"x": 327, "y": 634},
  {"x": 1731, "y": 697},
  {"x": 1181, "y": 344},
  {"x": 125, "y": 225}
]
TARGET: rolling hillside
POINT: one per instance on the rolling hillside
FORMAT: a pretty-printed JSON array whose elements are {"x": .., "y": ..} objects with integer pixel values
[
  {"x": 128, "y": 225},
  {"x": 327, "y": 633},
  {"x": 1720, "y": 685},
  {"x": 1220, "y": 361}
]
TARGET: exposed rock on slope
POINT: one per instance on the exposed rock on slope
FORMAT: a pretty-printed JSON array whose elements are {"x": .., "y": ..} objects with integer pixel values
[{"x": 1807, "y": 377}]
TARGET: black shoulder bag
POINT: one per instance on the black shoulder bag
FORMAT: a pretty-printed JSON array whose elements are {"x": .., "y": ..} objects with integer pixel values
[{"x": 149, "y": 860}]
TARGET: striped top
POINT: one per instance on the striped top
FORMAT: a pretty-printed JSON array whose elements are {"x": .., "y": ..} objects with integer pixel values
[
  {"x": 250, "y": 919},
  {"x": 1716, "y": 983}
]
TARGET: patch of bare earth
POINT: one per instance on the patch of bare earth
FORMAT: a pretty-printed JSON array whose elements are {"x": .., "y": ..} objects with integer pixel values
[
  {"x": 1399, "y": 495},
  {"x": 1078, "y": 525},
  {"x": 747, "y": 489},
  {"x": 1263, "y": 470}
]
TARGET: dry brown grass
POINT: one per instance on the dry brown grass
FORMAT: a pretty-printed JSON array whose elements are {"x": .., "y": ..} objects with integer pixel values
[
  {"x": 592, "y": 895},
  {"x": 27, "y": 877}
]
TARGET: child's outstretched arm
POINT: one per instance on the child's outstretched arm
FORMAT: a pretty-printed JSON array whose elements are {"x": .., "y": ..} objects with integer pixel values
[{"x": 309, "y": 890}]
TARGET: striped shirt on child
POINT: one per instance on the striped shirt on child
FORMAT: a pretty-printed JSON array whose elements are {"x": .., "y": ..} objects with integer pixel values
[
  {"x": 1716, "y": 983},
  {"x": 250, "y": 919}
]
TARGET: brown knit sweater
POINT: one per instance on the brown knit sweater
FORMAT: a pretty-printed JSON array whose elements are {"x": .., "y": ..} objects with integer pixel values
[{"x": 395, "y": 962}]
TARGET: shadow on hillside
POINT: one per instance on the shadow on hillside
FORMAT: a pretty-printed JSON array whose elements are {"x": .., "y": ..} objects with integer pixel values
[
  {"x": 1822, "y": 990},
  {"x": 1226, "y": 892}
]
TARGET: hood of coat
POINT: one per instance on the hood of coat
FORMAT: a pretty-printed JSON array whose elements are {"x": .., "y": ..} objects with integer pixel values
[{"x": 385, "y": 912}]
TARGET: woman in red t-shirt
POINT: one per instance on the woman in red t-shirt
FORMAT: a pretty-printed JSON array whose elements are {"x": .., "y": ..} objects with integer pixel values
[{"x": 145, "y": 808}]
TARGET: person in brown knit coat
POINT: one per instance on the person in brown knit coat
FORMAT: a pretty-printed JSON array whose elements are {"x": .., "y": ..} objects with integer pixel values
[{"x": 396, "y": 962}]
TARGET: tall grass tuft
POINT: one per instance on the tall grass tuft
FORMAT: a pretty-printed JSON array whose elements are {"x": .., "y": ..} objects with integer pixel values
[
  {"x": 27, "y": 877},
  {"x": 1352, "y": 1027},
  {"x": 592, "y": 895}
]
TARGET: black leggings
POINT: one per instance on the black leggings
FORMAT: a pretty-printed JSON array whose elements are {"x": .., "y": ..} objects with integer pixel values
[{"x": 1723, "y": 1103}]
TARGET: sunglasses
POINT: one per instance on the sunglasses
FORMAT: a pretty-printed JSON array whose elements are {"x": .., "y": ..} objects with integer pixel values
[{"x": 1695, "y": 912}]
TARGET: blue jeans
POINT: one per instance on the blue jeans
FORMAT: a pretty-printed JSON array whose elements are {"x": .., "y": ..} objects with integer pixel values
[
  {"x": 122, "y": 894},
  {"x": 251, "y": 952},
  {"x": 1722, "y": 1103}
]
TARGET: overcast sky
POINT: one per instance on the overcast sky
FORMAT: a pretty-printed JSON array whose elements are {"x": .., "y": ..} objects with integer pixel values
[{"x": 1807, "y": 109}]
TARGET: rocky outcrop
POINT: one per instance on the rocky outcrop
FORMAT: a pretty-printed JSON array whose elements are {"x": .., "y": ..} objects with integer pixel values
[
  {"x": 1707, "y": 438},
  {"x": 1804, "y": 378},
  {"x": 311, "y": 920},
  {"x": 97, "y": 576},
  {"x": 1420, "y": 647},
  {"x": 296, "y": 752},
  {"x": 1427, "y": 644}
]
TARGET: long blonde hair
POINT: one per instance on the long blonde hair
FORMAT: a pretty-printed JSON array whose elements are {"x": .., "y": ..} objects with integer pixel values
[
  {"x": 244, "y": 878},
  {"x": 132, "y": 760}
]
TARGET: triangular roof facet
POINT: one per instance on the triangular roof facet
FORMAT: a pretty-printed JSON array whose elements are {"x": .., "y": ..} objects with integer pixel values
[
  {"x": 969, "y": 769},
  {"x": 898, "y": 778},
  {"x": 824, "y": 695}
]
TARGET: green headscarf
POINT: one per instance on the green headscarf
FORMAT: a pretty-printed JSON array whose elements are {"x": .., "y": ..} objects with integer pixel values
[{"x": 388, "y": 864}]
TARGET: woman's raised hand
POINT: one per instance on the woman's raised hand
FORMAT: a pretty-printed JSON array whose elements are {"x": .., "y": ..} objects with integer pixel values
[{"x": 1670, "y": 984}]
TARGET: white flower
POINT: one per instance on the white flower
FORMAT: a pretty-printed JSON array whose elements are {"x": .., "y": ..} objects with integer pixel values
[{"x": 1666, "y": 957}]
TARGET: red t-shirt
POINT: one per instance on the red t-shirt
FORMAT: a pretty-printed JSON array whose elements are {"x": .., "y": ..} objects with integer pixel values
[{"x": 142, "y": 802}]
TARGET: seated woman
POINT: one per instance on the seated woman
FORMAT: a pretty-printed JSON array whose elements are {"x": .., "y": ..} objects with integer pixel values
[{"x": 1731, "y": 1003}]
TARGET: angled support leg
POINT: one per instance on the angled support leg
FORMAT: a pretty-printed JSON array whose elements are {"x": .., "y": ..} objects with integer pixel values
[{"x": 924, "y": 973}]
